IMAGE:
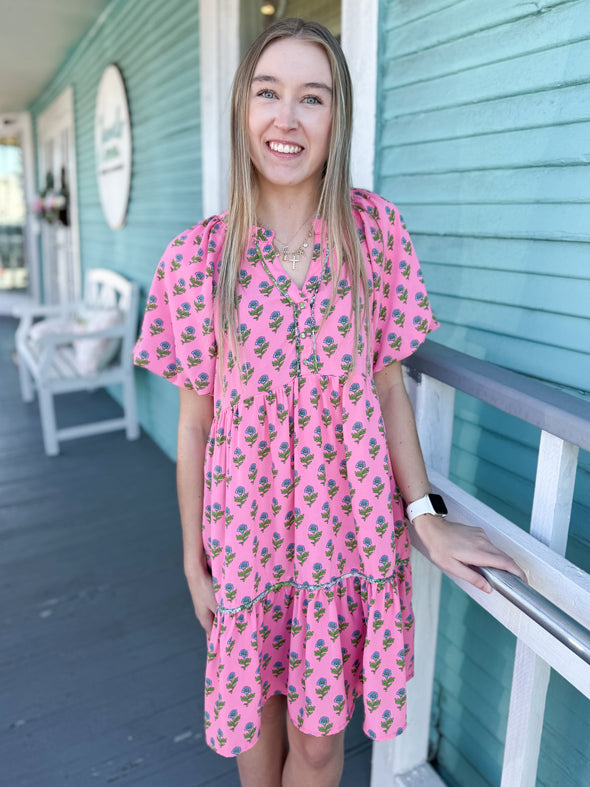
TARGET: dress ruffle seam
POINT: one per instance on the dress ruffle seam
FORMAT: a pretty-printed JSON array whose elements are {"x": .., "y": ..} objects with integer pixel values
[{"x": 379, "y": 581}]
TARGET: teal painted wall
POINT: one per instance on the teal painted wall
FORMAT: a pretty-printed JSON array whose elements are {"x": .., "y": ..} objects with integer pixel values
[
  {"x": 156, "y": 46},
  {"x": 482, "y": 141}
]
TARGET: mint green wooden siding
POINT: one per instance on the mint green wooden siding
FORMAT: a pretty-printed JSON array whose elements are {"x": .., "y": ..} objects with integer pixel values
[
  {"x": 156, "y": 46},
  {"x": 482, "y": 140}
]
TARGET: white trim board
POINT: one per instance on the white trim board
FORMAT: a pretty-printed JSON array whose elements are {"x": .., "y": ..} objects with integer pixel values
[
  {"x": 219, "y": 52},
  {"x": 359, "y": 41}
]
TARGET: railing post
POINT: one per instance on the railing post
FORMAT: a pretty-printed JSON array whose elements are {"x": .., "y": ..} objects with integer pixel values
[
  {"x": 433, "y": 404},
  {"x": 554, "y": 491}
]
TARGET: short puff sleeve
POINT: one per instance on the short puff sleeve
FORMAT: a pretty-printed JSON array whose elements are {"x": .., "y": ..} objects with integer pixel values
[
  {"x": 177, "y": 338},
  {"x": 401, "y": 316}
]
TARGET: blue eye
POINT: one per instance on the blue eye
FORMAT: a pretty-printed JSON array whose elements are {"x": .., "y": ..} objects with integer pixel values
[
  {"x": 312, "y": 100},
  {"x": 266, "y": 93}
]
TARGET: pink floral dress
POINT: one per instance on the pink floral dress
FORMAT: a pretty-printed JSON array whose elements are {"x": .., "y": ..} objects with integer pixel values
[{"x": 303, "y": 525}]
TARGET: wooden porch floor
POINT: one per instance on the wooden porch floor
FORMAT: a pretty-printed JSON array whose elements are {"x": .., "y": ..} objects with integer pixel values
[{"x": 101, "y": 657}]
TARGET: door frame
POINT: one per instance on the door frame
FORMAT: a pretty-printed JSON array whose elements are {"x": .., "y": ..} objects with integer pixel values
[{"x": 219, "y": 47}]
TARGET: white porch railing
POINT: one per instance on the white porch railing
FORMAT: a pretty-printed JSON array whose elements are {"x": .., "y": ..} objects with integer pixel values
[{"x": 433, "y": 375}]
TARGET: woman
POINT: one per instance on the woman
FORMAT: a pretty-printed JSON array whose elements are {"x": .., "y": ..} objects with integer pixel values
[{"x": 283, "y": 322}]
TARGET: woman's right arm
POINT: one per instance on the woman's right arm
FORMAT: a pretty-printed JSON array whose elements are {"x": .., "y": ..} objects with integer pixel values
[{"x": 194, "y": 424}]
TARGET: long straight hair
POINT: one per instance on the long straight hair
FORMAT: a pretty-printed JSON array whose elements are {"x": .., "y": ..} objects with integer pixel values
[{"x": 334, "y": 207}]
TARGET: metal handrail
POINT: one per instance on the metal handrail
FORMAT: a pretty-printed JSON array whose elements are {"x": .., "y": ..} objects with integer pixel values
[
  {"x": 542, "y": 405},
  {"x": 551, "y": 618}
]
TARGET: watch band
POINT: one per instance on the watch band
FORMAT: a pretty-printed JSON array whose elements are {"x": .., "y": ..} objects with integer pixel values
[{"x": 429, "y": 504}]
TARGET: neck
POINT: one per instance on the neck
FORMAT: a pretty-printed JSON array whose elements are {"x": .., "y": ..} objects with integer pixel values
[{"x": 285, "y": 211}]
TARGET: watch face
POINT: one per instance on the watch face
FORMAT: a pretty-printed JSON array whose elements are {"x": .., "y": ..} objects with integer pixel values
[{"x": 439, "y": 505}]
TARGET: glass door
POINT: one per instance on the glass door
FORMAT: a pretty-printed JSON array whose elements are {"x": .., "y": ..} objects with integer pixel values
[
  {"x": 60, "y": 279},
  {"x": 57, "y": 176}
]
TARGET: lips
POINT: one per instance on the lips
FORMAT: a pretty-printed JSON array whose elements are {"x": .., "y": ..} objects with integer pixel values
[{"x": 284, "y": 147}]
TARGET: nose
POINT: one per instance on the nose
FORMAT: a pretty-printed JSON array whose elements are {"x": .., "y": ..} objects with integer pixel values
[{"x": 286, "y": 116}]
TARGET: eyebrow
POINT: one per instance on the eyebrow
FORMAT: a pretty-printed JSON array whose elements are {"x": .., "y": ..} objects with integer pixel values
[{"x": 312, "y": 85}]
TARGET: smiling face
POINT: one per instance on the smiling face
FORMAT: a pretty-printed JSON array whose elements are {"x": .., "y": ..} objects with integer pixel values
[{"x": 290, "y": 114}]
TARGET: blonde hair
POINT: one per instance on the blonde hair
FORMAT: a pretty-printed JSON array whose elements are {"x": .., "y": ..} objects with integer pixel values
[{"x": 334, "y": 207}]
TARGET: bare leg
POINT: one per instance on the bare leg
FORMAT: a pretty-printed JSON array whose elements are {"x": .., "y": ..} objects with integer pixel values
[
  {"x": 262, "y": 765},
  {"x": 313, "y": 762}
]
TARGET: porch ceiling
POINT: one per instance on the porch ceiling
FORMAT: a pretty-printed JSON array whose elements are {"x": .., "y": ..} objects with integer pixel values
[{"x": 35, "y": 36}]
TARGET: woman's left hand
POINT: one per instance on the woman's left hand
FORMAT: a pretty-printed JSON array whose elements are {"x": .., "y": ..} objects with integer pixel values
[{"x": 454, "y": 548}]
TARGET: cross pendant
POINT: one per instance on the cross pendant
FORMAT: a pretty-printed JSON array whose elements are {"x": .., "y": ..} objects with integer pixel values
[{"x": 293, "y": 260}]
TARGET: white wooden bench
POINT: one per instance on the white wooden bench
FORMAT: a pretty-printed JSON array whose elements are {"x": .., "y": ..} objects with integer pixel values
[{"x": 49, "y": 363}]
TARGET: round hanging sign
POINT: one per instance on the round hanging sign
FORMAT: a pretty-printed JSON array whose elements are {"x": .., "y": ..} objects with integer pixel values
[{"x": 112, "y": 145}]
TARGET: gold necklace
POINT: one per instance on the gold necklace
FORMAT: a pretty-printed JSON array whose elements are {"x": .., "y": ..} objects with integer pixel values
[{"x": 295, "y": 256}]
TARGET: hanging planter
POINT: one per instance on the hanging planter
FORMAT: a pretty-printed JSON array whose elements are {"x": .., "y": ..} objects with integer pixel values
[{"x": 52, "y": 206}]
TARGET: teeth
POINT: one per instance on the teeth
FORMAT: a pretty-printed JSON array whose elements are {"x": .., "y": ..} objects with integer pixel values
[{"x": 280, "y": 148}]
